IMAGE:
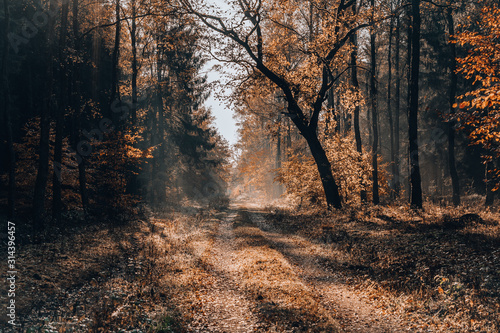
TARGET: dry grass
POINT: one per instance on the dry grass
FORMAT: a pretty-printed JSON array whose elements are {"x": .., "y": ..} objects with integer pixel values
[{"x": 94, "y": 279}]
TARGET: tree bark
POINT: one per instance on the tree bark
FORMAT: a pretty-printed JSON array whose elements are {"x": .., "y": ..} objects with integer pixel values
[
  {"x": 133, "y": 39},
  {"x": 115, "y": 60},
  {"x": 278, "y": 156},
  {"x": 355, "y": 85},
  {"x": 373, "y": 106},
  {"x": 490, "y": 194},
  {"x": 11, "y": 196},
  {"x": 415, "y": 179},
  {"x": 61, "y": 109},
  {"x": 389, "y": 109},
  {"x": 133, "y": 179},
  {"x": 76, "y": 120},
  {"x": 44, "y": 148},
  {"x": 332, "y": 193},
  {"x": 397, "y": 175},
  {"x": 161, "y": 187},
  {"x": 452, "y": 93}
]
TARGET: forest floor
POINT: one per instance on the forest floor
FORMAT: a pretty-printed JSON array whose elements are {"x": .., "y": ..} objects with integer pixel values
[{"x": 256, "y": 269}]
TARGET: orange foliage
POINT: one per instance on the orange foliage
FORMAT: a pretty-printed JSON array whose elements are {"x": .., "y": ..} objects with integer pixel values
[{"x": 480, "y": 107}]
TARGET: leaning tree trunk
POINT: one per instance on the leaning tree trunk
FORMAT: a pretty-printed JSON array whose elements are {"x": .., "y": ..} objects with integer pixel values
[
  {"x": 333, "y": 198},
  {"x": 415, "y": 179},
  {"x": 452, "y": 93}
]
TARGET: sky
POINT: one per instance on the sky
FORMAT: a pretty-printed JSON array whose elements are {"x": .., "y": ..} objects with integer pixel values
[{"x": 224, "y": 121}]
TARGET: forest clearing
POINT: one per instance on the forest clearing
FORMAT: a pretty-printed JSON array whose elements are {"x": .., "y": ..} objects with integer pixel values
[{"x": 359, "y": 192}]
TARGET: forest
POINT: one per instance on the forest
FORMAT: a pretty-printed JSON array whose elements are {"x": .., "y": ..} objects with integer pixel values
[{"x": 360, "y": 196}]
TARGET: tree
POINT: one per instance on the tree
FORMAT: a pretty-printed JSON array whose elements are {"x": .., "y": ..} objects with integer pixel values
[
  {"x": 7, "y": 112},
  {"x": 355, "y": 86},
  {"x": 451, "y": 97},
  {"x": 256, "y": 40},
  {"x": 48, "y": 105},
  {"x": 389, "y": 105},
  {"x": 373, "y": 106},
  {"x": 60, "y": 112},
  {"x": 415, "y": 179},
  {"x": 480, "y": 106},
  {"x": 396, "y": 174}
]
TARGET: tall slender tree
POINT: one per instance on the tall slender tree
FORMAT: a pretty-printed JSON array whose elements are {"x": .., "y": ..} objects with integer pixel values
[
  {"x": 355, "y": 85},
  {"x": 133, "y": 41},
  {"x": 7, "y": 112},
  {"x": 373, "y": 107},
  {"x": 451, "y": 99},
  {"x": 115, "y": 70},
  {"x": 397, "y": 97},
  {"x": 389, "y": 105},
  {"x": 59, "y": 118},
  {"x": 415, "y": 178},
  {"x": 44, "y": 146}
]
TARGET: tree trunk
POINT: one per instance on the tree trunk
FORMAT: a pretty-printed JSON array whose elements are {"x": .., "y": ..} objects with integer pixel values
[
  {"x": 333, "y": 198},
  {"x": 133, "y": 37},
  {"x": 397, "y": 175},
  {"x": 490, "y": 194},
  {"x": 8, "y": 119},
  {"x": 161, "y": 186},
  {"x": 415, "y": 179},
  {"x": 278, "y": 156},
  {"x": 133, "y": 179},
  {"x": 355, "y": 85},
  {"x": 368, "y": 113},
  {"x": 373, "y": 105},
  {"x": 44, "y": 148},
  {"x": 389, "y": 109},
  {"x": 61, "y": 109},
  {"x": 115, "y": 94},
  {"x": 75, "y": 103},
  {"x": 452, "y": 93}
]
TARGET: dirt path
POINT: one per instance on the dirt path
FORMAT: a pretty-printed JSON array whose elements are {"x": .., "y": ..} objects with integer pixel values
[
  {"x": 224, "y": 307},
  {"x": 260, "y": 280},
  {"x": 351, "y": 308}
]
